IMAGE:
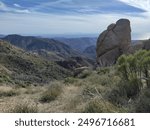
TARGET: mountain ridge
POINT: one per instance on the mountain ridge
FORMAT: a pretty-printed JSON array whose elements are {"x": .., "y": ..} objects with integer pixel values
[{"x": 31, "y": 43}]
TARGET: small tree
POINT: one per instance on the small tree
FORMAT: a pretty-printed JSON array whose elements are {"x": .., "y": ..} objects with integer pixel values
[
  {"x": 134, "y": 69},
  {"x": 146, "y": 68},
  {"x": 122, "y": 67}
]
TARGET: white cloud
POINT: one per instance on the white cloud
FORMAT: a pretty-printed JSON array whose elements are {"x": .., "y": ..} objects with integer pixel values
[
  {"x": 23, "y": 22},
  {"x": 38, "y": 23},
  {"x": 17, "y": 5},
  {"x": 140, "y": 25},
  {"x": 61, "y": 3},
  {"x": 142, "y": 4},
  {"x": 5, "y": 8}
]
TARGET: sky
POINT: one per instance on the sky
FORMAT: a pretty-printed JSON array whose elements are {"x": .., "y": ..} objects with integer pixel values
[{"x": 72, "y": 17}]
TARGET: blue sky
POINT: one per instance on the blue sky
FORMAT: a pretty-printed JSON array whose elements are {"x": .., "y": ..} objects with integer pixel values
[{"x": 69, "y": 17}]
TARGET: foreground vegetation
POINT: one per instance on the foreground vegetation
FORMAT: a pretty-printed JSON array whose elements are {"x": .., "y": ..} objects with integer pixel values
[{"x": 124, "y": 87}]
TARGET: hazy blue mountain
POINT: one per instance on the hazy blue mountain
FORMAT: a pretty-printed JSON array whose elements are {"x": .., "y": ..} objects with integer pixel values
[
  {"x": 1, "y": 35},
  {"x": 90, "y": 52},
  {"x": 79, "y": 44}
]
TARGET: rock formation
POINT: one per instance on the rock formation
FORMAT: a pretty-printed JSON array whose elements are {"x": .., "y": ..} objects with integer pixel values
[{"x": 113, "y": 42}]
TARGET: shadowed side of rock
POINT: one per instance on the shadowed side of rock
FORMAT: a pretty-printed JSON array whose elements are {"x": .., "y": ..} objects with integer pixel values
[{"x": 113, "y": 42}]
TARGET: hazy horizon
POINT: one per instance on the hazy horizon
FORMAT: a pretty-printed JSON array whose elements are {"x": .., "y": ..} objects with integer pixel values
[{"x": 55, "y": 35}]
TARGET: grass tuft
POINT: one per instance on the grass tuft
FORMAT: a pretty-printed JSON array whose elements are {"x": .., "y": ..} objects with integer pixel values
[{"x": 53, "y": 91}]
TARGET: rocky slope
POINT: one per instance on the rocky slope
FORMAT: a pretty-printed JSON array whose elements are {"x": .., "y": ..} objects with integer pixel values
[{"x": 76, "y": 62}]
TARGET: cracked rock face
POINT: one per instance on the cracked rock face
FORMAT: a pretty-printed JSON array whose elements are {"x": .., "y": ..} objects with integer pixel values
[{"x": 113, "y": 42}]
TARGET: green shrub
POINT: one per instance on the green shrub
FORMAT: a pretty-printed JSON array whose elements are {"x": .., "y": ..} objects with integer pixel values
[
  {"x": 84, "y": 74},
  {"x": 96, "y": 79},
  {"x": 98, "y": 105},
  {"x": 70, "y": 80},
  {"x": 105, "y": 80},
  {"x": 131, "y": 87},
  {"x": 52, "y": 93},
  {"x": 103, "y": 70},
  {"x": 5, "y": 79},
  {"x": 8, "y": 93},
  {"x": 135, "y": 67},
  {"x": 143, "y": 105},
  {"x": 117, "y": 97},
  {"x": 20, "y": 84},
  {"x": 134, "y": 70}
]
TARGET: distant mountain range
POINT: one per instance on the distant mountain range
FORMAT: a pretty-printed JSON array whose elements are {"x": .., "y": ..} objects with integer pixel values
[
  {"x": 79, "y": 44},
  {"x": 90, "y": 52},
  {"x": 36, "y": 44},
  {"x": 1, "y": 36},
  {"x": 54, "y": 50}
]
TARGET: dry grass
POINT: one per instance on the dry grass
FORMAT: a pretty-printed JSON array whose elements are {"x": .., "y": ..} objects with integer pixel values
[
  {"x": 22, "y": 99},
  {"x": 24, "y": 107},
  {"x": 71, "y": 95},
  {"x": 98, "y": 105}
]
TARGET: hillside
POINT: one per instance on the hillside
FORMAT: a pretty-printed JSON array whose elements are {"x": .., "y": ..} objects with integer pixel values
[{"x": 18, "y": 66}]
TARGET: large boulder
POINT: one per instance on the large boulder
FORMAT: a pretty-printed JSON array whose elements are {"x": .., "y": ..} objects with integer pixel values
[{"x": 113, "y": 42}]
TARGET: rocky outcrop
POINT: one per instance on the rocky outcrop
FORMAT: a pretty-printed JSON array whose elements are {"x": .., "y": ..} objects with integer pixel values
[
  {"x": 139, "y": 45},
  {"x": 113, "y": 42}
]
